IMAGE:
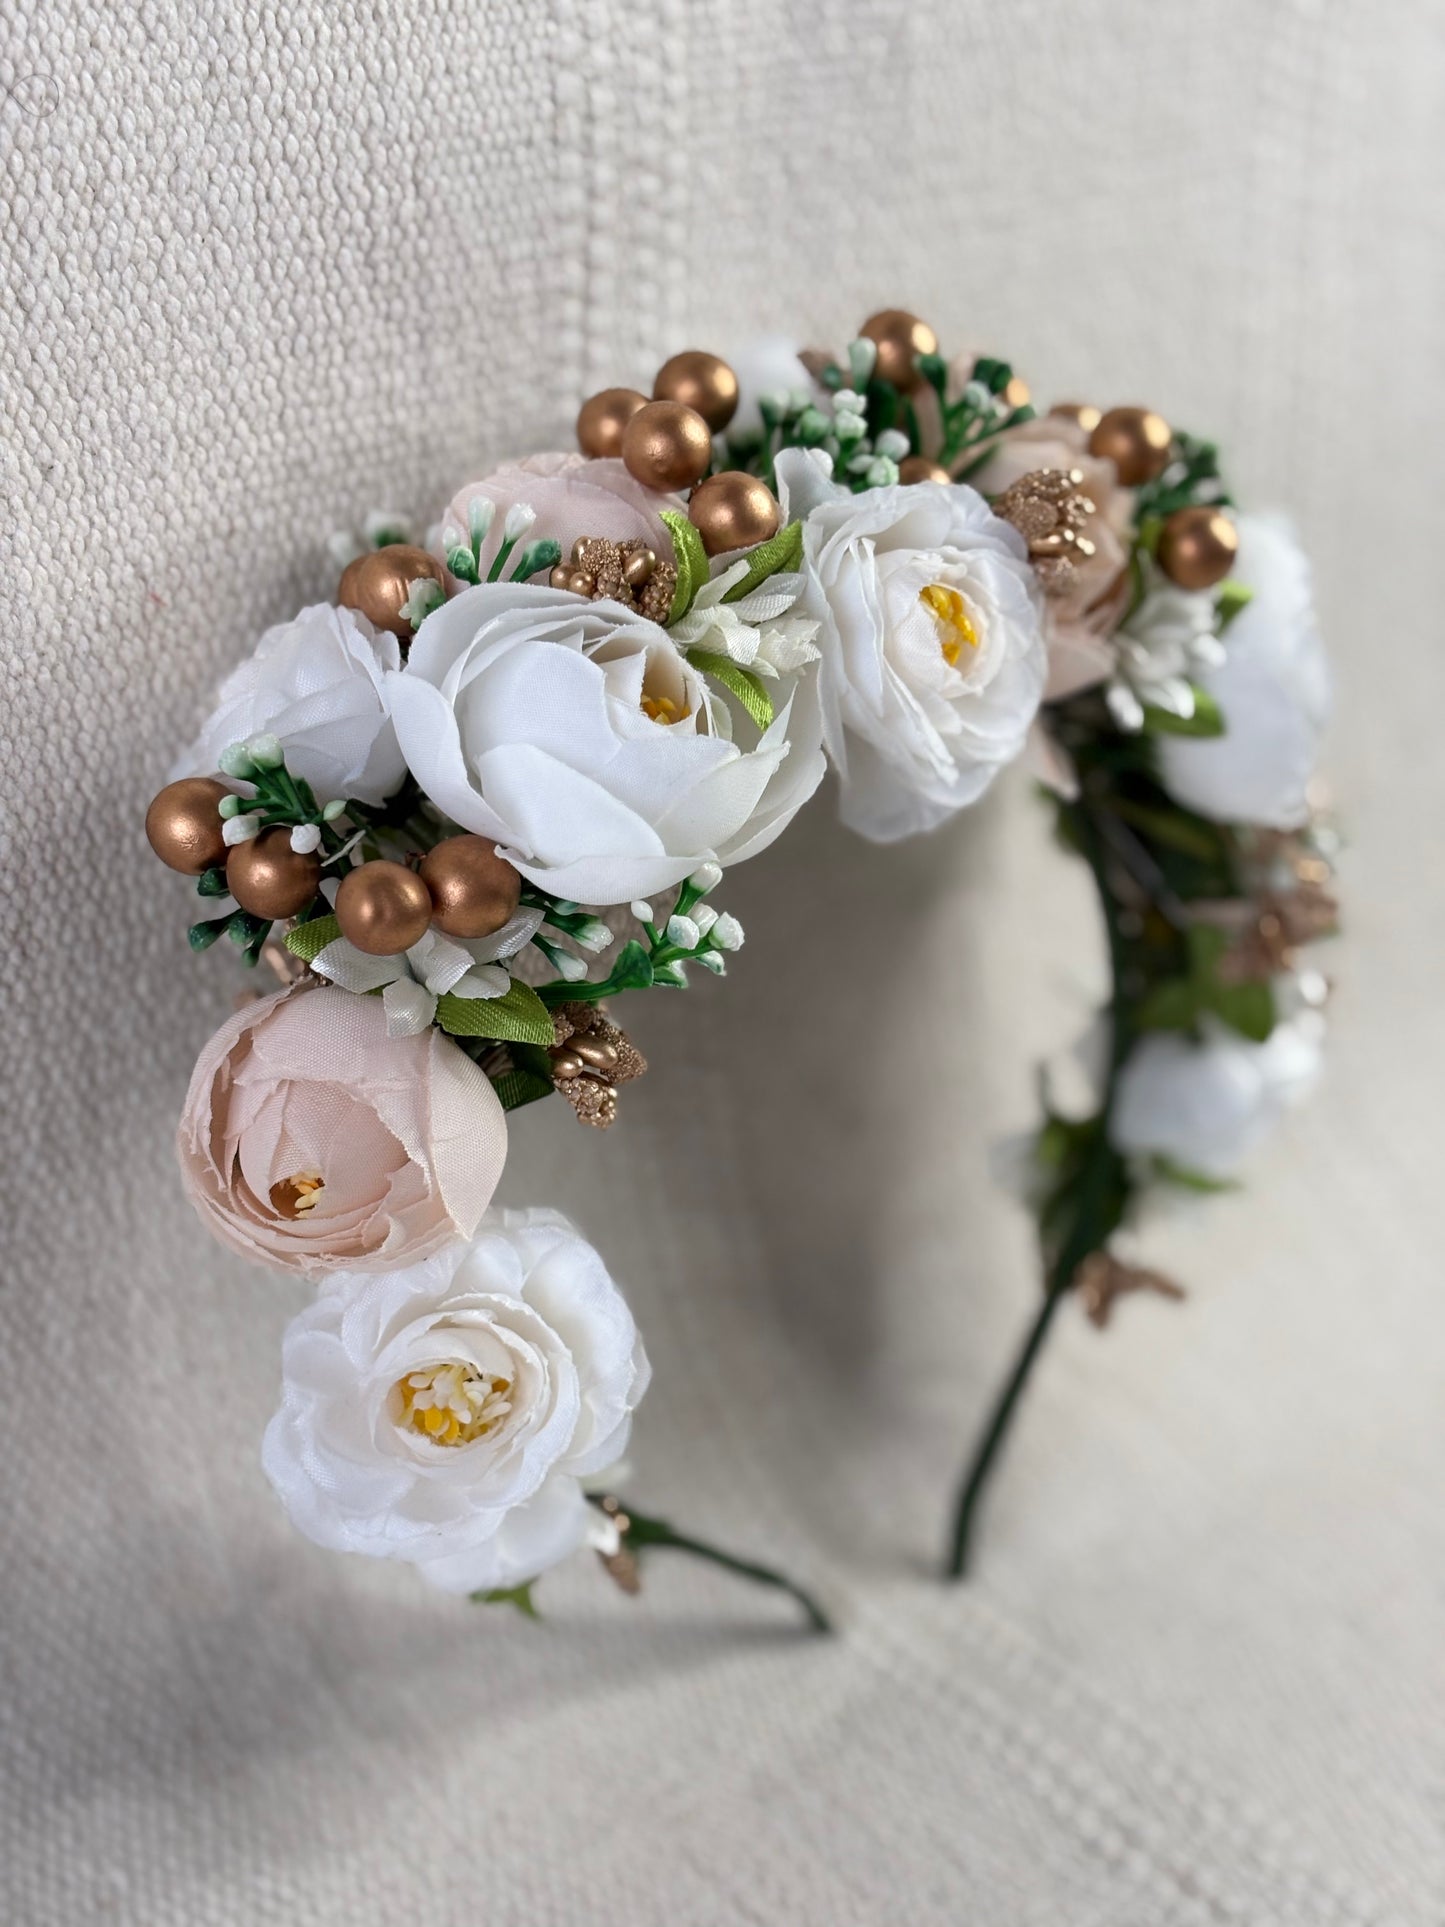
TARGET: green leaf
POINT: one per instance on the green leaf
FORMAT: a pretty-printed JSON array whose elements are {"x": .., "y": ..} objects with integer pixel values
[
  {"x": 632, "y": 969},
  {"x": 1189, "y": 1180},
  {"x": 781, "y": 554},
  {"x": 1173, "y": 1005},
  {"x": 1247, "y": 1008},
  {"x": 516, "y": 1088},
  {"x": 1232, "y": 598},
  {"x": 519, "y": 1017},
  {"x": 1207, "y": 945},
  {"x": 739, "y": 682},
  {"x": 308, "y": 940},
  {"x": 1206, "y": 720},
  {"x": 1172, "y": 828},
  {"x": 692, "y": 563},
  {"x": 518, "y": 1596}
]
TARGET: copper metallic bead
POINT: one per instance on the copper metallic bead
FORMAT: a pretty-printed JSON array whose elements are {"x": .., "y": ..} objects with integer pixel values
[
  {"x": 701, "y": 381},
  {"x": 1135, "y": 440},
  {"x": 183, "y": 825},
  {"x": 901, "y": 339},
  {"x": 378, "y": 584},
  {"x": 383, "y": 908},
  {"x": 667, "y": 445},
  {"x": 270, "y": 879},
  {"x": 602, "y": 418},
  {"x": 733, "y": 511},
  {"x": 473, "y": 891},
  {"x": 918, "y": 468},
  {"x": 1197, "y": 547},
  {"x": 1083, "y": 412}
]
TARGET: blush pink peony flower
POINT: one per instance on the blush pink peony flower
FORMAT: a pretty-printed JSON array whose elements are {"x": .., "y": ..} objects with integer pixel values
[
  {"x": 1078, "y": 625},
  {"x": 313, "y": 1141},
  {"x": 573, "y": 496}
]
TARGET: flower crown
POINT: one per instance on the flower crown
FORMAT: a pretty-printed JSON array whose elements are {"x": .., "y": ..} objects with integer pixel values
[{"x": 499, "y": 781}]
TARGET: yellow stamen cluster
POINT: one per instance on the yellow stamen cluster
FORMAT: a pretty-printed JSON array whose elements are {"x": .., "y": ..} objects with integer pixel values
[
  {"x": 293, "y": 1197},
  {"x": 450, "y": 1404},
  {"x": 955, "y": 624},
  {"x": 662, "y": 709}
]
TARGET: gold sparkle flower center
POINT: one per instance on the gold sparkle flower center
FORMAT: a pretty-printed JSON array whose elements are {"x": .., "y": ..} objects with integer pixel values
[
  {"x": 450, "y": 1404},
  {"x": 956, "y": 631}
]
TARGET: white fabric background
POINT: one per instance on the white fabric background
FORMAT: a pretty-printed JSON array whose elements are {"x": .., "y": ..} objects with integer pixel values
[{"x": 267, "y": 267}]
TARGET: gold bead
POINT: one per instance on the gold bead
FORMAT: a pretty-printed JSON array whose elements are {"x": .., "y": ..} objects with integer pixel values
[
  {"x": 473, "y": 891},
  {"x": 602, "y": 418},
  {"x": 566, "y": 1064},
  {"x": 733, "y": 511},
  {"x": 383, "y": 908},
  {"x": 378, "y": 584},
  {"x": 1083, "y": 412},
  {"x": 580, "y": 582},
  {"x": 901, "y": 338},
  {"x": 700, "y": 381},
  {"x": 1197, "y": 547},
  {"x": 561, "y": 577},
  {"x": 638, "y": 568},
  {"x": 270, "y": 879},
  {"x": 1016, "y": 392},
  {"x": 918, "y": 468},
  {"x": 667, "y": 445},
  {"x": 601, "y": 1055},
  {"x": 1135, "y": 440},
  {"x": 183, "y": 825}
]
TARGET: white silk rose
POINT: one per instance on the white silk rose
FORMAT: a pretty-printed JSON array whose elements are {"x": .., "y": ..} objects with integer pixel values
[
  {"x": 1208, "y": 1105},
  {"x": 315, "y": 684},
  {"x": 576, "y": 736},
  {"x": 313, "y": 1140},
  {"x": 930, "y": 628},
  {"x": 447, "y": 1414},
  {"x": 1273, "y": 690}
]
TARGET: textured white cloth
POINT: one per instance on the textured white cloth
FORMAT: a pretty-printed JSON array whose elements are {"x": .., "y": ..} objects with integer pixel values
[{"x": 265, "y": 269}]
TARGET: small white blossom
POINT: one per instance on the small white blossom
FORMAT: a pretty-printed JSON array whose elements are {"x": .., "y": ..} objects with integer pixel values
[
  {"x": 520, "y": 517},
  {"x": 265, "y": 751},
  {"x": 849, "y": 425},
  {"x": 305, "y": 838},
  {"x": 850, "y": 401},
  {"x": 893, "y": 443},
  {"x": 882, "y": 472},
  {"x": 336, "y": 807},
  {"x": 593, "y": 937},
  {"x": 480, "y": 511},
  {"x": 234, "y": 761},
  {"x": 412, "y": 980},
  {"x": 241, "y": 829},
  {"x": 710, "y": 960},
  {"x": 727, "y": 933},
  {"x": 422, "y": 597},
  {"x": 231, "y": 806},
  {"x": 642, "y": 911},
  {"x": 704, "y": 916},
  {"x": 862, "y": 360},
  {"x": 707, "y": 876},
  {"x": 683, "y": 932},
  {"x": 570, "y": 968}
]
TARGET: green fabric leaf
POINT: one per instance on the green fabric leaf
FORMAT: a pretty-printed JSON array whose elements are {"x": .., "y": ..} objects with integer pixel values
[
  {"x": 518, "y": 1596},
  {"x": 1169, "y": 1006},
  {"x": 308, "y": 940},
  {"x": 516, "y": 1088},
  {"x": 1189, "y": 1180},
  {"x": 1233, "y": 597},
  {"x": 739, "y": 682},
  {"x": 519, "y": 1017},
  {"x": 692, "y": 563},
  {"x": 781, "y": 554},
  {"x": 1206, "y": 720},
  {"x": 1247, "y": 1008}
]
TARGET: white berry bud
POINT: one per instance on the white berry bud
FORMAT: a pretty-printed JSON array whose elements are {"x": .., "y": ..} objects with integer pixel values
[
  {"x": 266, "y": 751},
  {"x": 727, "y": 933},
  {"x": 241, "y": 829},
  {"x": 642, "y": 911},
  {"x": 707, "y": 876},
  {"x": 683, "y": 932},
  {"x": 305, "y": 838}
]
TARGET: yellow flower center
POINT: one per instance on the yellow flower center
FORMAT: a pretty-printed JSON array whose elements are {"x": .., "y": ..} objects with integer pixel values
[
  {"x": 450, "y": 1404},
  {"x": 662, "y": 709},
  {"x": 293, "y": 1197},
  {"x": 950, "y": 611}
]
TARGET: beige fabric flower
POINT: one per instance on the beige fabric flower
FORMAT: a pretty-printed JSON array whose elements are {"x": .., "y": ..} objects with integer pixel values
[
  {"x": 573, "y": 496},
  {"x": 313, "y": 1141},
  {"x": 1078, "y": 624}
]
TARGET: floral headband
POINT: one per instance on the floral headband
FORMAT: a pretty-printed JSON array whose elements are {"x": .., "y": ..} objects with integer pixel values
[{"x": 499, "y": 782}]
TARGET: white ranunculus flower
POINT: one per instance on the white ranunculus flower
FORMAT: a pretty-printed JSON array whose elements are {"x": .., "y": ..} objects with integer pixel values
[
  {"x": 1272, "y": 688},
  {"x": 314, "y": 683},
  {"x": 933, "y": 659},
  {"x": 448, "y": 1414},
  {"x": 576, "y": 735},
  {"x": 1207, "y": 1105}
]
